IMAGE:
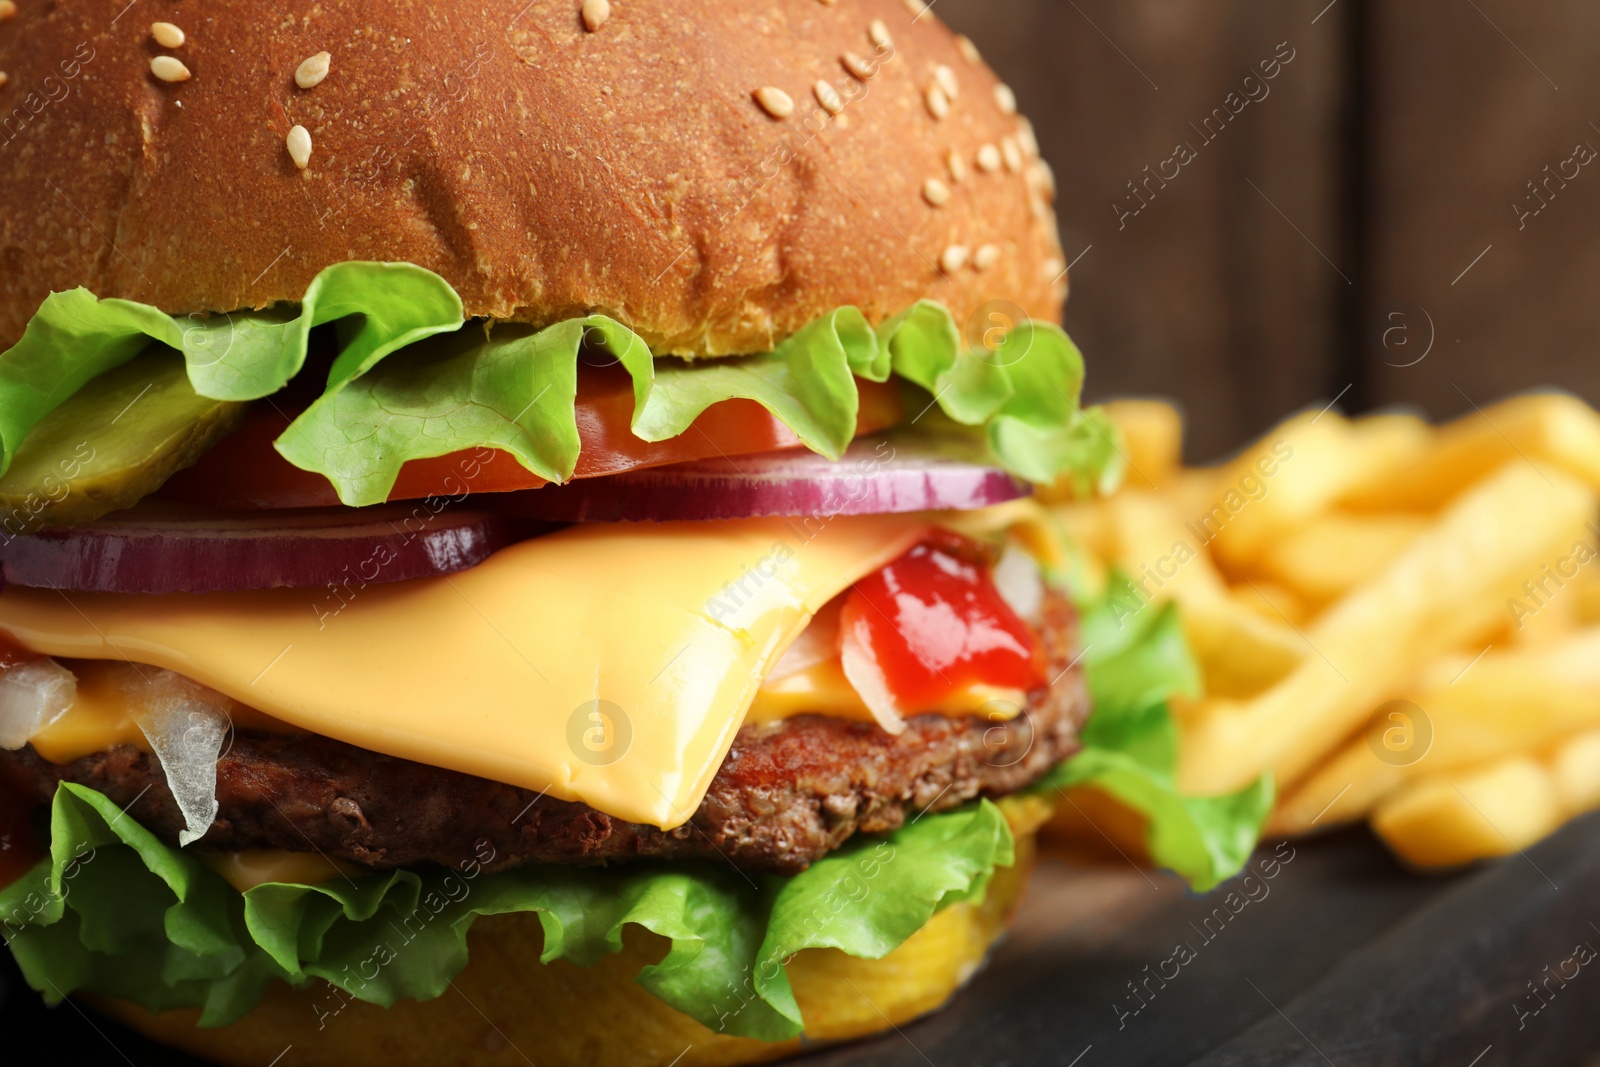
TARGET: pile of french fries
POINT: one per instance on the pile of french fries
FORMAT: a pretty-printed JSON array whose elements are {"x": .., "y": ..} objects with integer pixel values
[{"x": 1400, "y": 622}]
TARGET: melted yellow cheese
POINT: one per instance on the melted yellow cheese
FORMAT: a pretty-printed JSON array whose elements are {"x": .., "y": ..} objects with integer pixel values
[
  {"x": 608, "y": 664},
  {"x": 823, "y": 689},
  {"x": 258, "y": 866},
  {"x": 101, "y": 716}
]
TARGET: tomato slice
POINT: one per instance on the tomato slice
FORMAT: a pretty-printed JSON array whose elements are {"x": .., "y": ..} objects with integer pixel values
[
  {"x": 934, "y": 622},
  {"x": 245, "y": 471}
]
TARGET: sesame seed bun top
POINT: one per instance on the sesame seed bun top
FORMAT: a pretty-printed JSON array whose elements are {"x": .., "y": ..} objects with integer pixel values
[{"x": 713, "y": 173}]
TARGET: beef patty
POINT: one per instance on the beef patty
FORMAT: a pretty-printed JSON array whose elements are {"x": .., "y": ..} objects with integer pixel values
[{"x": 788, "y": 793}]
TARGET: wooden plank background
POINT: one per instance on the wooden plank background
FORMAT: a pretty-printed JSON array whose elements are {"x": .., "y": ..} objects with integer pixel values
[{"x": 1315, "y": 246}]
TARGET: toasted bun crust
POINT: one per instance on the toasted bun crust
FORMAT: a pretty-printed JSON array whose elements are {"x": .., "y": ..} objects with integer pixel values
[
  {"x": 507, "y": 1009},
  {"x": 542, "y": 168}
]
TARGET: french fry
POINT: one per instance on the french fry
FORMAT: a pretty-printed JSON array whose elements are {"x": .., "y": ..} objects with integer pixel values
[
  {"x": 1297, "y": 471},
  {"x": 1575, "y": 764},
  {"x": 1444, "y": 821},
  {"x": 1163, "y": 557},
  {"x": 1240, "y": 652},
  {"x": 1333, "y": 554},
  {"x": 1586, "y": 595},
  {"x": 1338, "y": 582},
  {"x": 1271, "y": 601},
  {"x": 1444, "y": 591},
  {"x": 1152, "y": 436},
  {"x": 1389, "y": 442},
  {"x": 1192, "y": 492},
  {"x": 1093, "y": 825},
  {"x": 1524, "y": 699},
  {"x": 1552, "y": 623},
  {"x": 1343, "y": 790},
  {"x": 1551, "y": 429},
  {"x": 1089, "y": 525},
  {"x": 1288, "y": 476}
]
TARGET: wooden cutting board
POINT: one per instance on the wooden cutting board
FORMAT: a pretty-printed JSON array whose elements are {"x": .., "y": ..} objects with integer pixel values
[{"x": 1341, "y": 958}]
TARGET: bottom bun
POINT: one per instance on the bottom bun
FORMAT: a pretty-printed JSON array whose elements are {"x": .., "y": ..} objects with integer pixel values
[{"x": 506, "y": 1008}]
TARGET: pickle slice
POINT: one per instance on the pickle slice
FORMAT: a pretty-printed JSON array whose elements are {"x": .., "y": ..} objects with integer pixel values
[{"x": 113, "y": 442}]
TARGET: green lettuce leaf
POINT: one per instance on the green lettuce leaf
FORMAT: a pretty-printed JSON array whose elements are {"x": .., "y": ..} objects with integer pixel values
[
  {"x": 1133, "y": 664},
  {"x": 74, "y": 337},
  {"x": 410, "y": 383},
  {"x": 115, "y": 911}
]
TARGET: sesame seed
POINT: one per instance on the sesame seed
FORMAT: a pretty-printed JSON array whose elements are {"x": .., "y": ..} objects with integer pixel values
[
  {"x": 1040, "y": 206},
  {"x": 8, "y": 10},
  {"x": 595, "y": 13},
  {"x": 859, "y": 68},
  {"x": 312, "y": 70},
  {"x": 917, "y": 8},
  {"x": 1025, "y": 137},
  {"x": 953, "y": 258},
  {"x": 947, "y": 81},
  {"x": 1052, "y": 267},
  {"x": 299, "y": 144},
  {"x": 935, "y": 192},
  {"x": 988, "y": 159},
  {"x": 1005, "y": 99},
  {"x": 1011, "y": 154},
  {"x": 167, "y": 35},
  {"x": 986, "y": 257},
  {"x": 775, "y": 101},
  {"x": 967, "y": 49},
  {"x": 1044, "y": 177},
  {"x": 955, "y": 165},
  {"x": 828, "y": 97},
  {"x": 168, "y": 69},
  {"x": 4, "y": 77},
  {"x": 938, "y": 103},
  {"x": 878, "y": 33}
]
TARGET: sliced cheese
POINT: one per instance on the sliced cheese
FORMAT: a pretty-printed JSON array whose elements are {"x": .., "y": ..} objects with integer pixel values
[
  {"x": 260, "y": 866},
  {"x": 608, "y": 664},
  {"x": 823, "y": 689},
  {"x": 102, "y": 717}
]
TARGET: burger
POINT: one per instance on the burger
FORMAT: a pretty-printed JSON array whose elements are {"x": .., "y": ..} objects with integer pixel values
[{"x": 517, "y": 537}]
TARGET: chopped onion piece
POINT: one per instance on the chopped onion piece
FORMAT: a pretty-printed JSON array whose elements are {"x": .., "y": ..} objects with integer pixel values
[
  {"x": 867, "y": 679},
  {"x": 1016, "y": 578},
  {"x": 185, "y": 723},
  {"x": 33, "y": 695},
  {"x": 817, "y": 643}
]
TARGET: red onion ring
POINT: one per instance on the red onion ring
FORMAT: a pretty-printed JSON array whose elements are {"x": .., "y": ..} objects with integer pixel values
[
  {"x": 164, "y": 548},
  {"x": 897, "y": 473}
]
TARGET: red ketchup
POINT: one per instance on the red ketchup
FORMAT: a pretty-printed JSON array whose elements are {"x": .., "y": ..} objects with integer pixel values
[{"x": 934, "y": 622}]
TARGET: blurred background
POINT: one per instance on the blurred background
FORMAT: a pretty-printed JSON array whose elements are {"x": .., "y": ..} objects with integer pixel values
[{"x": 1403, "y": 214}]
